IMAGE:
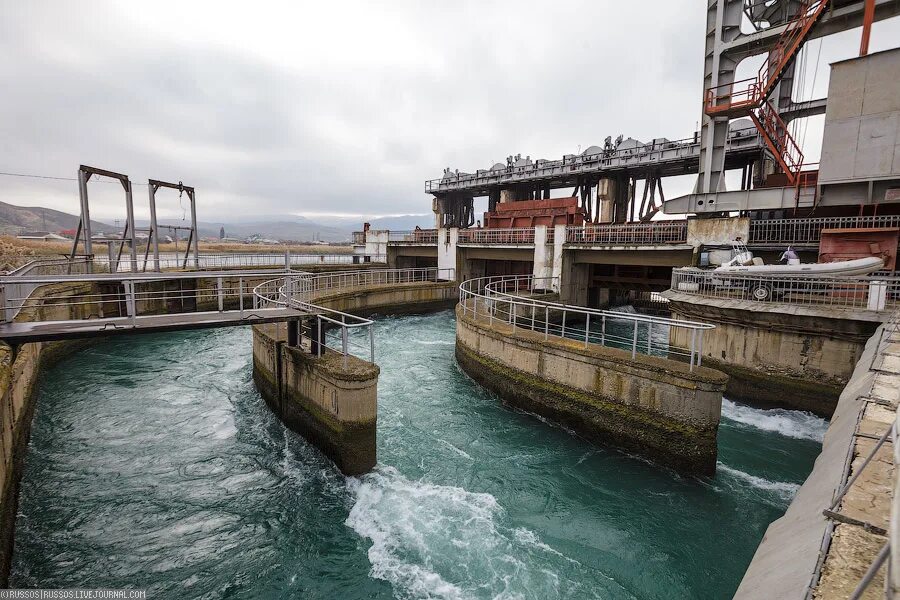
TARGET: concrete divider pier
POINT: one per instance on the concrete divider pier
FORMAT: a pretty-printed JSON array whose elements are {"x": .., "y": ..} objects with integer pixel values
[
  {"x": 659, "y": 408},
  {"x": 331, "y": 406}
]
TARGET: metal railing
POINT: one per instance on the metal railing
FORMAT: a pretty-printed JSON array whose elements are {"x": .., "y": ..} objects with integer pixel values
[
  {"x": 625, "y": 234},
  {"x": 126, "y": 295},
  {"x": 234, "y": 260},
  {"x": 413, "y": 236},
  {"x": 515, "y": 301},
  {"x": 859, "y": 293},
  {"x": 301, "y": 291},
  {"x": 809, "y": 231},
  {"x": 15, "y": 291},
  {"x": 515, "y": 235}
]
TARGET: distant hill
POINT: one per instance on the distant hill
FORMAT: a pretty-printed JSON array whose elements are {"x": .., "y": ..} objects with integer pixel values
[{"x": 17, "y": 219}]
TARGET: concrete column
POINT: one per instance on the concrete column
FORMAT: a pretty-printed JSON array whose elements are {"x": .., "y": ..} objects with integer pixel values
[
  {"x": 446, "y": 249},
  {"x": 606, "y": 198},
  {"x": 377, "y": 242},
  {"x": 573, "y": 287},
  {"x": 543, "y": 258},
  {"x": 559, "y": 240}
]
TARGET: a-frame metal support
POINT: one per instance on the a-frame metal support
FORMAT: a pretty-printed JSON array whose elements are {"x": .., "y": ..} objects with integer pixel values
[
  {"x": 84, "y": 226},
  {"x": 193, "y": 238}
]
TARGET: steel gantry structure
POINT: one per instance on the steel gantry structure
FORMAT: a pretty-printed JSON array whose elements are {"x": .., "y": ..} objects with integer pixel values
[{"x": 759, "y": 142}]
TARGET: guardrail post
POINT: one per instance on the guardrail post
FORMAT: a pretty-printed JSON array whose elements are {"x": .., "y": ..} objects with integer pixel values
[
  {"x": 587, "y": 330},
  {"x": 513, "y": 316},
  {"x": 603, "y": 330},
  {"x": 693, "y": 346},
  {"x": 220, "y": 293},
  {"x": 130, "y": 304},
  {"x": 241, "y": 296},
  {"x": 700, "y": 351},
  {"x": 546, "y": 322},
  {"x": 3, "y": 302},
  {"x": 563, "y": 334},
  {"x": 371, "y": 342},
  {"x": 634, "y": 341},
  {"x": 344, "y": 343}
]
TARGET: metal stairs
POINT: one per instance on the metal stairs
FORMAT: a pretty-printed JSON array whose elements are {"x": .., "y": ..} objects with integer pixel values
[{"x": 749, "y": 97}]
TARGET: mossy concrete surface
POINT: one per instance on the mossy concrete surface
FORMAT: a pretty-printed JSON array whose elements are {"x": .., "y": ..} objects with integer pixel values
[{"x": 651, "y": 406}]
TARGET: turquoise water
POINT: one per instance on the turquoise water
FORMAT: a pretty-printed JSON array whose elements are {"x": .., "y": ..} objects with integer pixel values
[{"x": 154, "y": 463}]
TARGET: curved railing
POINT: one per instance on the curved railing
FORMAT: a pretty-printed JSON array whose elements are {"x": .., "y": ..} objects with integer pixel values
[
  {"x": 516, "y": 300},
  {"x": 339, "y": 329}
]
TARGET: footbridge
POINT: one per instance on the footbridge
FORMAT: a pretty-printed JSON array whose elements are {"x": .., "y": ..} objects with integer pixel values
[{"x": 55, "y": 307}]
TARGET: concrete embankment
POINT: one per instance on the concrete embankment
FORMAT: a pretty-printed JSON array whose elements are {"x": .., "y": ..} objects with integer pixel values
[
  {"x": 333, "y": 407},
  {"x": 806, "y": 551},
  {"x": 775, "y": 354},
  {"x": 654, "y": 407}
]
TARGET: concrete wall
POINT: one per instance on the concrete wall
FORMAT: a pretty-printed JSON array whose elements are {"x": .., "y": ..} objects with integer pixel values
[
  {"x": 648, "y": 405},
  {"x": 712, "y": 232},
  {"x": 773, "y": 354},
  {"x": 543, "y": 255},
  {"x": 795, "y": 546},
  {"x": 19, "y": 368},
  {"x": 332, "y": 407}
]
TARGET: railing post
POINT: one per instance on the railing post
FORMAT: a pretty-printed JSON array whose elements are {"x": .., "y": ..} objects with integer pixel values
[
  {"x": 649, "y": 336},
  {"x": 220, "y": 293},
  {"x": 513, "y": 316},
  {"x": 587, "y": 330},
  {"x": 634, "y": 340},
  {"x": 693, "y": 346},
  {"x": 371, "y": 342},
  {"x": 700, "y": 350},
  {"x": 344, "y": 342},
  {"x": 130, "y": 304},
  {"x": 3, "y": 303},
  {"x": 563, "y": 333},
  {"x": 241, "y": 296},
  {"x": 546, "y": 322},
  {"x": 603, "y": 330}
]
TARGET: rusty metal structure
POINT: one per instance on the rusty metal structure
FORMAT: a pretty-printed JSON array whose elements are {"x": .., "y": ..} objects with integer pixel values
[{"x": 745, "y": 126}]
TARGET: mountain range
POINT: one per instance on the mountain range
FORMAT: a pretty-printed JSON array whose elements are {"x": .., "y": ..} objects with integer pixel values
[{"x": 18, "y": 219}]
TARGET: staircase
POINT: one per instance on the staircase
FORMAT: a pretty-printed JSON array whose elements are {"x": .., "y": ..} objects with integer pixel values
[{"x": 748, "y": 97}]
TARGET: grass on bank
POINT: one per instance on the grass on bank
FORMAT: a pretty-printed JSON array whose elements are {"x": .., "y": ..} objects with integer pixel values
[{"x": 15, "y": 252}]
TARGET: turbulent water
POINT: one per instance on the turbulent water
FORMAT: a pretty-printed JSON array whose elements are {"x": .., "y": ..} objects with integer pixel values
[{"x": 154, "y": 463}]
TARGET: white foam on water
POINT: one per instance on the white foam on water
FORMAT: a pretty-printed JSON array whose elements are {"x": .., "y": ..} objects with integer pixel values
[
  {"x": 445, "y": 542},
  {"x": 781, "y": 489},
  {"x": 790, "y": 423},
  {"x": 435, "y": 342},
  {"x": 462, "y": 453}
]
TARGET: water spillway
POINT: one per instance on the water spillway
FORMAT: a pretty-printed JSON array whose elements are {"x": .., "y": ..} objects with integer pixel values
[{"x": 154, "y": 463}]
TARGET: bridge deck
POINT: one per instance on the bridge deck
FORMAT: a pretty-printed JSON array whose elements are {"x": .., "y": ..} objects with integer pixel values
[{"x": 20, "y": 333}]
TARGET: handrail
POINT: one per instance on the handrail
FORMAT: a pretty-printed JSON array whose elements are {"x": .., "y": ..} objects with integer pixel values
[
  {"x": 499, "y": 298},
  {"x": 874, "y": 293},
  {"x": 301, "y": 290}
]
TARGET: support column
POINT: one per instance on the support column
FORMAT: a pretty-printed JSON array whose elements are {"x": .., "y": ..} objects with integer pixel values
[
  {"x": 543, "y": 259},
  {"x": 559, "y": 241},
  {"x": 377, "y": 242},
  {"x": 446, "y": 250}
]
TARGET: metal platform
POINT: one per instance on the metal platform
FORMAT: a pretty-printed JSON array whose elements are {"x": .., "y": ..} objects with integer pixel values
[
  {"x": 49, "y": 331},
  {"x": 668, "y": 158}
]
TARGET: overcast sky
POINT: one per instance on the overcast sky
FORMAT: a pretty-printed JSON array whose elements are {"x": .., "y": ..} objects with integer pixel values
[{"x": 337, "y": 107}]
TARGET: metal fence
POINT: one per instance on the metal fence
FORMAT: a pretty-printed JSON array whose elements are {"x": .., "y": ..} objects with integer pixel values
[
  {"x": 515, "y": 301},
  {"x": 413, "y": 236},
  {"x": 14, "y": 290},
  {"x": 231, "y": 260},
  {"x": 301, "y": 291},
  {"x": 859, "y": 293},
  {"x": 515, "y": 235},
  {"x": 625, "y": 234},
  {"x": 809, "y": 231}
]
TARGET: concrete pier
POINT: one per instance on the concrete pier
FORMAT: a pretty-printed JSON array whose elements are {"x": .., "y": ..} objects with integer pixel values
[
  {"x": 799, "y": 357},
  {"x": 332, "y": 407},
  {"x": 654, "y": 407}
]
